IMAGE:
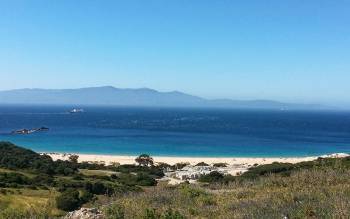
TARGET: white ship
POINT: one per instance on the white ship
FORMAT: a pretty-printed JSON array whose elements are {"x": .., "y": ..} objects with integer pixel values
[{"x": 76, "y": 111}]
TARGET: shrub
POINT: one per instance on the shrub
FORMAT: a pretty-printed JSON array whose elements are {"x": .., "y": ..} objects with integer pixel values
[
  {"x": 68, "y": 200},
  {"x": 220, "y": 164},
  {"x": 98, "y": 188},
  {"x": 268, "y": 169},
  {"x": 13, "y": 179},
  {"x": 202, "y": 164},
  {"x": 85, "y": 196},
  {"x": 212, "y": 177},
  {"x": 145, "y": 180},
  {"x": 127, "y": 168}
]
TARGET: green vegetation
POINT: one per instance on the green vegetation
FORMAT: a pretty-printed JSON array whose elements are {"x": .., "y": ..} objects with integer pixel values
[
  {"x": 29, "y": 181},
  {"x": 305, "y": 193},
  {"x": 144, "y": 160},
  {"x": 220, "y": 164},
  {"x": 69, "y": 200},
  {"x": 315, "y": 189},
  {"x": 212, "y": 177},
  {"x": 202, "y": 164},
  {"x": 35, "y": 186}
]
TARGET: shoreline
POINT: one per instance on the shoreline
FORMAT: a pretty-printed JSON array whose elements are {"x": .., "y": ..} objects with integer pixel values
[{"x": 129, "y": 159}]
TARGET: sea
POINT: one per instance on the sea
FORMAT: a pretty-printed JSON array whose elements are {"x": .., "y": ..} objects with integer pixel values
[{"x": 177, "y": 131}]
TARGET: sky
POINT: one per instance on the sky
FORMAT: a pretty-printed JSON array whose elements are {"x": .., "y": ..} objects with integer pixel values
[{"x": 292, "y": 51}]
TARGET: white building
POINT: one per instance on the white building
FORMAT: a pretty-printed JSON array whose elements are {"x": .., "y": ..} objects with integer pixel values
[{"x": 194, "y": 172}]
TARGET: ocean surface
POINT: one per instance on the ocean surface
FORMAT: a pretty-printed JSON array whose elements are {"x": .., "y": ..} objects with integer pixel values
[{"x": 178, "y": 132}]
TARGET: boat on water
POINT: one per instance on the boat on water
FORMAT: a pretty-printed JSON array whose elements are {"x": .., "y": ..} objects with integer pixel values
[
  {"x": 29, "y": 131},
  {"x": 76, "y": 111}
]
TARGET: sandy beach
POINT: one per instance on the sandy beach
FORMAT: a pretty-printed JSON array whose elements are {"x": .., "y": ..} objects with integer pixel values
[{"x": 108, "y": 159}]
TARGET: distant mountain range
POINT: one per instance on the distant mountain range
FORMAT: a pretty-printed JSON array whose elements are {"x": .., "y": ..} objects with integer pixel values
[{"x": 142, "y": 97}]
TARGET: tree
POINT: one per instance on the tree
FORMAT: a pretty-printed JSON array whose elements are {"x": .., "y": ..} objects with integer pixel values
[
  {"x": 73, "y": 158},
  {"x": 144, "y": 160}
]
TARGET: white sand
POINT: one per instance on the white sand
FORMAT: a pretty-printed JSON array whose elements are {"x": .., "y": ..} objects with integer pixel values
[{"x": 108, "y": 159}]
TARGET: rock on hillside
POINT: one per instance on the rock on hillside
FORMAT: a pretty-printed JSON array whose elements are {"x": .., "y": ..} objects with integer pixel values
[{"x": 85, "y": 213}]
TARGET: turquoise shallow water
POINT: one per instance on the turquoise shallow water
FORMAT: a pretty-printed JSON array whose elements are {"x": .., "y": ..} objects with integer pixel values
[{"x": 178, "y": 132}]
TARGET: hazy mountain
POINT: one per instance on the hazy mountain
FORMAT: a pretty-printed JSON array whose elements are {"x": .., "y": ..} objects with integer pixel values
[{"x": 131, "y": 97}]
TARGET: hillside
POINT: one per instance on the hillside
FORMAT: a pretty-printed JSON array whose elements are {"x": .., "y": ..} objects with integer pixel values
[
  {"x": 132, "y": 97},
  {"x": 314, "y": 189},
  {"x": 35, "y": 186}
]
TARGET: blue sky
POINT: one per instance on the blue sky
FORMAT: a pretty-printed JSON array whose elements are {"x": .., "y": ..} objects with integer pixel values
[{"x": 295, "y": 51}]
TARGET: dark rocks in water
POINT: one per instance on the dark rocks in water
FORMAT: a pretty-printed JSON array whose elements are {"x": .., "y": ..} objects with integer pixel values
[{"x": 43, "y": 129}]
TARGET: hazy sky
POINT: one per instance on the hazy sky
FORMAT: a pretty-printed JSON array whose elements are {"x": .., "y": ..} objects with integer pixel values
[{"x": 294, "y": 50}]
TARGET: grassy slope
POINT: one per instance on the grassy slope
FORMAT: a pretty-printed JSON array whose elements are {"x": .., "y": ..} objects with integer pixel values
[
  {"x": 27, "y": 202},
  {"x": 317, "y": 189},
  {"x": 305, "y": 194},
  {"x": 310, "y": 193},
  {"x": 19, "y": 203}
]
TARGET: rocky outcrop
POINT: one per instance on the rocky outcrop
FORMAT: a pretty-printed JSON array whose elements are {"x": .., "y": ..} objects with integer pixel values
[{"x": 85, "y": 213}]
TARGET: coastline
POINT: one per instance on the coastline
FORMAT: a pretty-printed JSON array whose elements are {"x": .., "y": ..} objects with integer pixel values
[{"x": 249, "y": 161}]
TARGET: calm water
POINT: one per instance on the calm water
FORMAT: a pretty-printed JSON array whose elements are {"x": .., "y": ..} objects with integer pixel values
[{"x": 178, "y": 132}]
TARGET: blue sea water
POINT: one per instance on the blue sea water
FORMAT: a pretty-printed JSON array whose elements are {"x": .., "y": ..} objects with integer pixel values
[{"x": 178, "y": 132}]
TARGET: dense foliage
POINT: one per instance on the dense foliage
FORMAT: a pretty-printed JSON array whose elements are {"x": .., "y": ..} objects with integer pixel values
[
  {"x": 68, "y": 200},
  {"x": 144, "y": 160},
  {"x": 286, "y": 169},
  {"x": 14, "y": 157},
  {"x": 21, "y": 168}
]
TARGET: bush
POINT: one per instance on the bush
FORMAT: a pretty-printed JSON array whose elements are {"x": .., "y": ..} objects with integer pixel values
[
  {"x": 220, "y": 164},
  {"x": 202, "y": 164},
  {"x": 13, "y": 179},
  {"x": 85, "y": 196},
  {"x": 68, "y": 200},
  {"x": 98, "y": 188},
  {"x": 141, "y": 179},
  {"x": 212, "y": 177},
  {"x": 145, "y": 180},
  {"x": 268, "y": 169},
  {"x": 127, "y": 168}
]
